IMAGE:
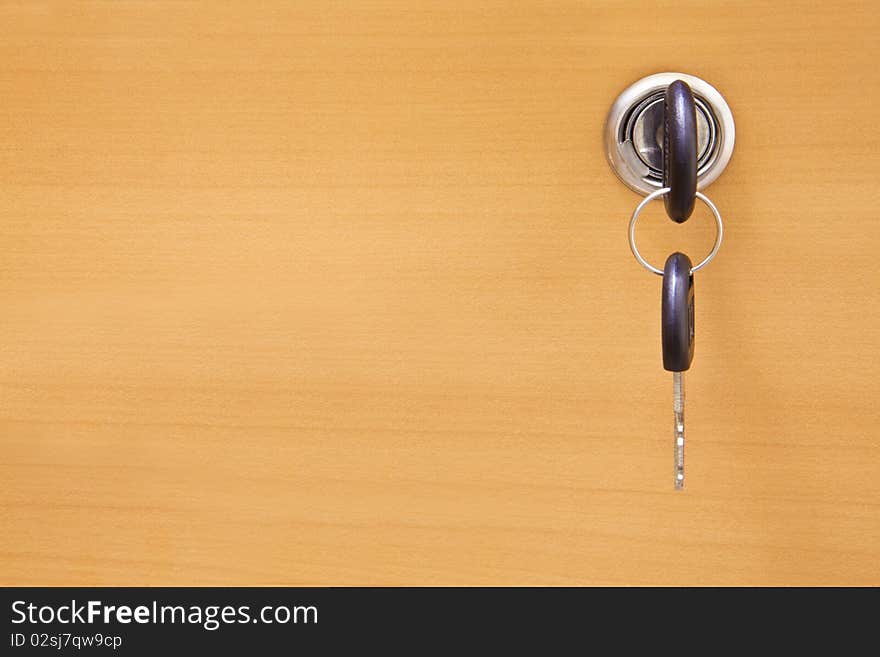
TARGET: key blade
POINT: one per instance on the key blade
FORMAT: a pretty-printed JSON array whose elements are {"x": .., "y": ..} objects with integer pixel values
[{"x": 678, "y": 427}]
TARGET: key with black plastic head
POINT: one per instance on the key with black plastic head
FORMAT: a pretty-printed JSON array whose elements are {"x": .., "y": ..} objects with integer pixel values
[
  {"x": 677, "y": 330},
  {"x": 679, "y": 151}
]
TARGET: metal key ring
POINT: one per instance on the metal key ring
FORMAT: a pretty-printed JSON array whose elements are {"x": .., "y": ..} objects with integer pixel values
[{"x": 657, "y": 194}]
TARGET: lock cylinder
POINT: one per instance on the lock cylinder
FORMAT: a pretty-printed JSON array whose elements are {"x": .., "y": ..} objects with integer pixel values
[{"x": 634, "y": 132}]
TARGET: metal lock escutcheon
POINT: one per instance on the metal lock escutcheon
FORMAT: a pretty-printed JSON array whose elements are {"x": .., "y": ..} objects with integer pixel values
[{"x": 634, "y": 132}]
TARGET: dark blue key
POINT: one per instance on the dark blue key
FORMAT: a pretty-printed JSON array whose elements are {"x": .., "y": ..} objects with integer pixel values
[
  {"x": 679, "y": 151},
  {"x": 677, "y": 330}
]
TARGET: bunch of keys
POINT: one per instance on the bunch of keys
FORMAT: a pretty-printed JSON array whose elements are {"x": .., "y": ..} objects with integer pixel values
[{"x": 679, "y": 192}]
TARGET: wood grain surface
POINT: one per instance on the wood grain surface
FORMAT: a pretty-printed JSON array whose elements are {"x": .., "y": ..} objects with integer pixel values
[{"x": 340, "y": 293}]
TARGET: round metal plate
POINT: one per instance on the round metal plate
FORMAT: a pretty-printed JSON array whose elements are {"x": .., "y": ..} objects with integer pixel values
[{"x": 633, "y": 132}]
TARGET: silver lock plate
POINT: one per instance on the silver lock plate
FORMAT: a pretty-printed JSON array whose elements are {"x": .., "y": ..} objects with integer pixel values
[{"x": 634, "y": 132}]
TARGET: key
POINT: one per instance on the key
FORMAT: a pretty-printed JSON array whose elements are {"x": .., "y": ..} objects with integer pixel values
[
  {"x": 677, "y": 332},
  {"x": 679, "y": 151}
]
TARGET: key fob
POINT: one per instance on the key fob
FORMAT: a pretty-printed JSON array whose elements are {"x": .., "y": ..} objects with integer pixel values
[{"x": 677, "y": 313}]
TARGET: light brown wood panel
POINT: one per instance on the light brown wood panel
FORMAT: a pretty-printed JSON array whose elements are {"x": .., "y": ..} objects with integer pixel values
[{"x": 340, "y": 293}]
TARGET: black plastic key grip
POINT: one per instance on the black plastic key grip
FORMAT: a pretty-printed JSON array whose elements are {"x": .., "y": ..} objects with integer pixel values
[
  {"x": 677, "y": 313},
  {"x": 679, "y": 151}
]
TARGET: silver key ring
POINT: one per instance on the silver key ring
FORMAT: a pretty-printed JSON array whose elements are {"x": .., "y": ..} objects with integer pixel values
[{"x": 657, "y": 194}]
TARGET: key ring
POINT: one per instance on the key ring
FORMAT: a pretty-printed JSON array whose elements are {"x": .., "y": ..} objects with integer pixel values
[{"x": 657, "y": 194}]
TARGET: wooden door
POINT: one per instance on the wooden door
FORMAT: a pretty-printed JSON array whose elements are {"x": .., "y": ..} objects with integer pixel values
[{"x": 319, "y": 294}]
